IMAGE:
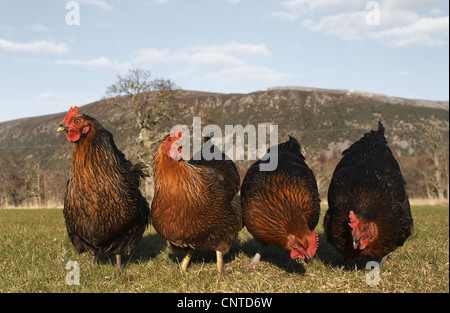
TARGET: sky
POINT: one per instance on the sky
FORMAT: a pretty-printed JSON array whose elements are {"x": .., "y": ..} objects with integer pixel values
[{"x": 55, "y": 53}]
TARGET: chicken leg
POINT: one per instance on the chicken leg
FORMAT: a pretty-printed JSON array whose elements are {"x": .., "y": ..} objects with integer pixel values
[
  {"x": 93, "y": 260},
  {"x": 185, "y": 262},
  {"x": 118, "y": 261},
  {"x": 255, "y": 260},
  {"x": 219, "y": 257},
  {"x": 223, "y": 269}
]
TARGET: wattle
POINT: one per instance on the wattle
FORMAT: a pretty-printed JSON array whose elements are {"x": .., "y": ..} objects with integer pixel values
[
  {"x": 295, "y": 254},
  {"x": 73, "y": 136}
]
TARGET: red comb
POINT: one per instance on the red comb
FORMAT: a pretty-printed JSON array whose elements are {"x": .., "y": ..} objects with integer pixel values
[
  {"x": 70, "y": 114},
  {"x": 353, "y": 220},
  {"x": 178, "y": 131},
  {"x": 313, "y": 243}
]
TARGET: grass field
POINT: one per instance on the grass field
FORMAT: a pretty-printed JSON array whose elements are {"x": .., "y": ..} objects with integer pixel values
[{"x": 34, "y": 251}]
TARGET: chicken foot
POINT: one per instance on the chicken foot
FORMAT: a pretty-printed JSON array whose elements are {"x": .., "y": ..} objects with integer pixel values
[
  {"x": 93, "y": 261},
  {"x": 254, "y": 262}
]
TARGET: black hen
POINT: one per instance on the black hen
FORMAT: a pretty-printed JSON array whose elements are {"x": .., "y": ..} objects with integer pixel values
[{"x": 369, "y": 214}]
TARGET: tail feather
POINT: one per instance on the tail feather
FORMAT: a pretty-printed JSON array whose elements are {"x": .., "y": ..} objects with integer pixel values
[
  {"x": 380, "y": 129},
  {"x": 140, "y": 169}
]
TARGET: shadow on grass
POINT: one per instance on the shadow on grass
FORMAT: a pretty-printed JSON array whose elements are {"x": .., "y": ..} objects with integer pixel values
[
  {"x": 271, "y": 254},
  {"x": 329, "y": 256},
  {"x": 326, "y": 254},
  {"x": 152, "y": 244},
  {"x": 148, "y": 248},
  {"x": 202, "y": 256}
]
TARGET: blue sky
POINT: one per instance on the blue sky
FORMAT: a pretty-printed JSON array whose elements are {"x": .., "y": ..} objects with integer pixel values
[{"x": 393, "y": 47}]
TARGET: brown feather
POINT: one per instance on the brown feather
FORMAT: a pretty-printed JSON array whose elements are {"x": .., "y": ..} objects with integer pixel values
[
  {"x": 104, "y": 209},
  {"x": 192, "y": 206},
  {"x": 280, "y": 203}
]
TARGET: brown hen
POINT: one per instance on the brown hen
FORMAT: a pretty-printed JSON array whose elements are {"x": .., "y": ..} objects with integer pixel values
[
  {"x": 282, "y": 207},
  {"x": 193, "y": 204},
  {"x": 104, "y": 209}
]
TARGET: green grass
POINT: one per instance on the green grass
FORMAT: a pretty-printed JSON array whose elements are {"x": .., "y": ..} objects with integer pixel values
[{"x": 34, "y": 250}]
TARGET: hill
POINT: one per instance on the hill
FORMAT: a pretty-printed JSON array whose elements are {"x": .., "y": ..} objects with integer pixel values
[{"x": 35, "y": 159}]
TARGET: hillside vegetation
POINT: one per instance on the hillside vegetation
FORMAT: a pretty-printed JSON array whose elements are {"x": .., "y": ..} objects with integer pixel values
[{"x": 35, "y": 159}]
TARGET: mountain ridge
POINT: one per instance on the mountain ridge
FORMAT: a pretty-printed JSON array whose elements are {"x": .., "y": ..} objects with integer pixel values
[
  {"x": 440, "y": 104},
  {"x": 35, "y": 159}
]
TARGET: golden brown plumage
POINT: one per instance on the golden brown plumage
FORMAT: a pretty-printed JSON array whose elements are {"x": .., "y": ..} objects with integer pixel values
[
  {"x": 104, "y": 209},
  {"x": 192, "y": 206},
  {"x": 282, "y": 207}
]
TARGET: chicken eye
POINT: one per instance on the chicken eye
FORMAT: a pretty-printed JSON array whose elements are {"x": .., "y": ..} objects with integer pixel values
[{"x": 77, "y": 121}]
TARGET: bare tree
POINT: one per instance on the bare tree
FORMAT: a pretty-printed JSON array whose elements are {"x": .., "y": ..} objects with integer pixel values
[
  {"x": 32, "y": 183},
  {"x": 152, "y": 101},
  {"x": 439, "y": 156}
]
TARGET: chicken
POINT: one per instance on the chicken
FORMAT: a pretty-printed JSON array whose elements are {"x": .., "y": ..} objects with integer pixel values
[
  {"x": 104, "y": 209},
  {"x": 369, "y": 214},
  {"x": 192, "y": 206},
  {"x": 282, "y": 207}
]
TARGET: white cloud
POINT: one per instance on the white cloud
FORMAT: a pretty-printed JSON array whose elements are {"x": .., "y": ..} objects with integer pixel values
[
  {"x": 247, "y": 75},
  {"x": 350, "y": 26},
  {"x": 431, "y": 32},
  {"x": 38, "y": 27},
  {"x": 48, "y": 96},
  {"x": 295, "y": 9},
  {"x": 154, "y": 56},
  {"x": 38, "y": 46},
  {"x": 96, "y": 63},
  {"x": 52, "y": 100},
  {"x": 401, "y": 23},
  {"x": 232, "y": 62},
  {"x": 165, "y": 1},
  {"x": 230, "y": 54},
  {"x": 29, "y": 60},
  {"x": 102, "y": 4}
]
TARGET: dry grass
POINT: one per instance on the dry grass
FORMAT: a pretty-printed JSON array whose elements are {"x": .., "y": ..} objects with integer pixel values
[{"x": 34, "y": 250}]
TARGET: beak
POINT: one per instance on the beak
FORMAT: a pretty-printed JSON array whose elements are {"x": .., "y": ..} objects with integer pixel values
[
  {"x": 308, "y": 260},
  {"x": 179, "y": 144},
  {"x": 62, "y": 128},
  {"x": 356, "y": 243}
]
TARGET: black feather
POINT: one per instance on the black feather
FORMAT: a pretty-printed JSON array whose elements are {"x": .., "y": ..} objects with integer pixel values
[{"x": 369, "y": 182}]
